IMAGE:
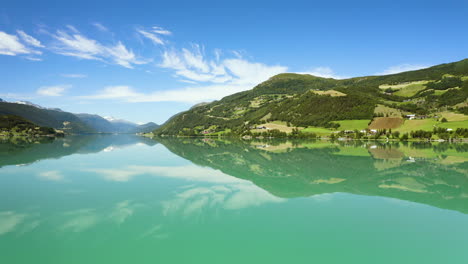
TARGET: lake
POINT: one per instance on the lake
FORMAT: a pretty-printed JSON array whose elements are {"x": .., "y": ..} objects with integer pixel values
[{"x": 129, "y": 199}]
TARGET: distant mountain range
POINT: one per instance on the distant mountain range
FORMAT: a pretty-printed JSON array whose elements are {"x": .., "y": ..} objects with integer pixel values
[{"x": 69, "y": 122}]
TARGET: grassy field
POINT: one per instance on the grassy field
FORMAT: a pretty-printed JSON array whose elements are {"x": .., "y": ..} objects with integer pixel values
[
  {"x": 413, "y": 125},
  {"x": 401, "y": 85},
  {"x": 391, "y": 112},
  {"x": 411, "y": 89},
  {"x": 353, "y": 124},
  {"x": 455, "y": 120},
  {"x": 332, "y": 93},
  {"x": 317, "y": 130},
  {"x": 221, "y": 132},
  {"x": 451, "y": 116},
  {"x": 454, "y": 124},
  {"x": 440, "y": 92}
]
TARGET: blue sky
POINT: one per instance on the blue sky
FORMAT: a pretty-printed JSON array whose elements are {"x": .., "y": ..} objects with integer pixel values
[{"x": 147, "y": 60}]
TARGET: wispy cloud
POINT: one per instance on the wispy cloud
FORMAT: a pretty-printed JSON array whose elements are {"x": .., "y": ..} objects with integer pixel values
[
  {"x": 194, "y": 201},
  {"x": 51, "y": 175},
  {"x": 9, "y": 221},
  {"x": 29, "y": 39},
  {"x": 80, "y": 220},
  {"x": 155, "y": 34},
  {"x": 209, "y": 78},
  {"x": 197, "y": 174},
  {"x": 115, "y": 92},
  {"x": 100, "y": 27},
  {"x": 16, "y": 96},
  {"x": 74, "y": 75},
  {"x": 56, "y": 90},
  {"x": 78, "y": 45},
  {"x": 325, "y": 72},
  {"x": 402, "y": 68},
  {"x": 12, "y": 46}
]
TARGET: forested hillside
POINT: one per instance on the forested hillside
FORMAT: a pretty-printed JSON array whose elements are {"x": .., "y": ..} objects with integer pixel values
[{"x": 307, "y": 102}]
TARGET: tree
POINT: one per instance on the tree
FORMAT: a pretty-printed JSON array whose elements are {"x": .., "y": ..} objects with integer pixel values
[{"x": 404, "y": 137}]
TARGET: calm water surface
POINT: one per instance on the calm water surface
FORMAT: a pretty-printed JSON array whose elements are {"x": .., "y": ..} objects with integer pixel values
[{"x": 126, "y": 199}]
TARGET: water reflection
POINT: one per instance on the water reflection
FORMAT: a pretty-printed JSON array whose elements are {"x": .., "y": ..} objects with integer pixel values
[
  {"x": 87, "y": 196},
  {"x": 18, "y": 151},
  {"x": 434, "y": 174}
]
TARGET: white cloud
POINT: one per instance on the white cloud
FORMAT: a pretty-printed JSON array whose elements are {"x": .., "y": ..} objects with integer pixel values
[
  {"x": 194, "y": 201},
  {"x": 325, "y": 72},
  {"x": 80, "y": 220},
  {"x": 161, "y": 31},
  {"x": 11, "y": 45},
  {"x": 51, "y": 175},
  {"x": 16, "y": 96},
  {"x": 151, "y": 36},
  {"x": 154, "y": 34},
  {"x": 29, "y": 39},
  {"x": 79, "y": 46},
  {"x": 33, "y": 59},
  {"x": 402, "y": 68},
  {"x": 197, "y": 174},
  {"x": 193, "y": 65},
  {"x": 115, "y": 92},
  {"x": 100, "y": 27},
  {"x": 120, "y": 55},
  {"x": 122, "y": 211},
  {"x": 74, "y": 75},
  {"x": 56, "y": 90},
  {"x": 9, "y": 221},
  {"x": 209, "y": 79},
  {"x": 72, "y": 29}
]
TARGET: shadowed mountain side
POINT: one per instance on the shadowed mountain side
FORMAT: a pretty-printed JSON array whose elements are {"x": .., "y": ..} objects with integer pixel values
[
  {"x": 303, "y": 172},
  {"x": 21, "y": 152}
]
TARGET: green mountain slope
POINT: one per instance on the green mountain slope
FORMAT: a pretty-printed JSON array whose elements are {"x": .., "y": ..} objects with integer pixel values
[
  {"x": 15, "y": 126},
  {"x": 305, "y": 100}
]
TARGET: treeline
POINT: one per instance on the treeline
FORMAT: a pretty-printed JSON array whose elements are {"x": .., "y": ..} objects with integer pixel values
[
  {"x": 310, "y": 109},
  {"x": 441, "y": 133},
  {"x": 445, "y": 83},
  {"x": 10, "y": 124}
]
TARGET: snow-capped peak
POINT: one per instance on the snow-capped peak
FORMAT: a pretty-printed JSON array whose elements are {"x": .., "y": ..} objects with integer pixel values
[
  {"x": 29, "y": 103},
  {"x": 115, "y": 120}
]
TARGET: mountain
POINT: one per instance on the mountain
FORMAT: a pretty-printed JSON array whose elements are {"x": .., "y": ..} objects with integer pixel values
[
  {"x": 11, "y": 125},
  {"x": 98, "y": 123},
  {"x": 71, "y": 123},
  {"x": 305, "y": 101},
  {"x": 145, "y": 128},
  {"x": 65, "y": 121},
  {"x": 121, "y": 126},
  {"x": 114, "y": 125}
]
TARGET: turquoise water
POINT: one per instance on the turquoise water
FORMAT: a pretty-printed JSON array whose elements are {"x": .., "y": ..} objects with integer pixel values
[{"x": 127, "y": 199}]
